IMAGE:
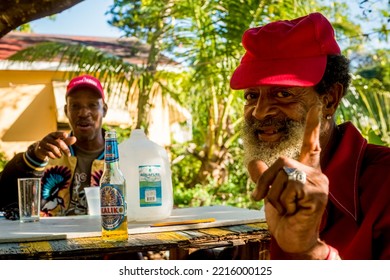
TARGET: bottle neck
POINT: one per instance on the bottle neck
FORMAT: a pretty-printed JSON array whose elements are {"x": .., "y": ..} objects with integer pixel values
[
  {"x": 111, "y": 165},
  {"x": 111, "y": 153}
]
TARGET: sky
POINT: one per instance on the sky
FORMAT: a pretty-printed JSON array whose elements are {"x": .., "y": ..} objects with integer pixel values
[{"x": 86, "y": 18}]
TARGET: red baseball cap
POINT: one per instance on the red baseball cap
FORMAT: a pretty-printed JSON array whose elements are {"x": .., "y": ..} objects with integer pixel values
[
  {"x": 85, "y": 81},
  {"x": 286, "y": 53}
]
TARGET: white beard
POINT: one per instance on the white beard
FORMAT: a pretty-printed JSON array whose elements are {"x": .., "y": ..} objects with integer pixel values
[{"x": 256, "y": 149}]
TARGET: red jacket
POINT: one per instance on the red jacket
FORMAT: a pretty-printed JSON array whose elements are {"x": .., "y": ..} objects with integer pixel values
[{"x": 357, "y": 218}]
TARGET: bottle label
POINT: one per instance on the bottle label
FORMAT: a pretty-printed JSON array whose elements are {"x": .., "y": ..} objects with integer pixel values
[
  {"x": 111, "y": 153},
  {"x": 113, "y": 206},
  {"x": 150, "y": 189}
]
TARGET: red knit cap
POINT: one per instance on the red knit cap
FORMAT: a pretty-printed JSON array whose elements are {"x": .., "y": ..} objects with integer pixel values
[{"x": 286, "y": 53}]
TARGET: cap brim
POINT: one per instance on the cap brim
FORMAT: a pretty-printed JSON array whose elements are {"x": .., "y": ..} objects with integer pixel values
[{"x": 304, "y": 72}]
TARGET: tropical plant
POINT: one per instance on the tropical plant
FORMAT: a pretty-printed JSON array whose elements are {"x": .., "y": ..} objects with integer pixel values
[
  {"x": 368, "y": 103},
  {"x": 3, "y": 161},
  {"x": 205, "y": 36},
  {"x": 213, "y": 55}
]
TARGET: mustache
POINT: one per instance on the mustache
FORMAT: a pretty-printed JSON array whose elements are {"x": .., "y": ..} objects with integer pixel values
[
  {"x": 84, "y": 121},
  {"x": 289, "y": 144},
  {"x": 267, "y": 122}
]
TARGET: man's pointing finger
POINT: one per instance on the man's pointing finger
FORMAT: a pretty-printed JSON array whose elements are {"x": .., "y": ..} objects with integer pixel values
[{"x": 311, "y": 149}]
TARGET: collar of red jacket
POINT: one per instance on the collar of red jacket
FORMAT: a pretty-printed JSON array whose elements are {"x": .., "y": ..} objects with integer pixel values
[{"x": 344, "y": 168}]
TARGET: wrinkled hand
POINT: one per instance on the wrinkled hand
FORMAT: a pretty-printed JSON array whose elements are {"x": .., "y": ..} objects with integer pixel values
[
  {"x": 54, "y": 145},
  {"x": 294, "y": 210}
]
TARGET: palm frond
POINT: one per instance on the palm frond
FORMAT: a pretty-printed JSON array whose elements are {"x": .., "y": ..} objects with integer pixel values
[{"x": 78, "y": 58}]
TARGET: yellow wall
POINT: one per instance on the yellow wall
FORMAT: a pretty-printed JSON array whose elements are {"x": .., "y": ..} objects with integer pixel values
[
  {"x": 29, "y": 101},
  {"x": 27, "y": 108}
]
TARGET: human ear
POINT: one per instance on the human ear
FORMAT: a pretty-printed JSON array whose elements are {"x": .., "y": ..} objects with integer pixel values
[
  {"x": 331, "y": 99},
  {"x": 66, "y": 110},
  {"x": 105, "y": 109}
]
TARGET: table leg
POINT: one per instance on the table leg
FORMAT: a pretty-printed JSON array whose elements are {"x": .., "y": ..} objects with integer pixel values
[
  {"x": 253, "y": 250},
  {"x": 178, "y": 253}
]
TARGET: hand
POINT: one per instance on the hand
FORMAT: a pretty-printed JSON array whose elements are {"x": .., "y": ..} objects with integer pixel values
[
  {"x": 54, "y": 145},
  {"x": 294, "y": 210}
]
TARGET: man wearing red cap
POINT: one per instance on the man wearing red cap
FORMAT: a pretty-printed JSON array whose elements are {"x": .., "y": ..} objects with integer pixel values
[
  {"x": 66, "y": 162},
  {"x": 326, "y": 190}
]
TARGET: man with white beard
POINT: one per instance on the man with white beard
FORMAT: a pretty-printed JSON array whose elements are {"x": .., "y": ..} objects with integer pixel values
[{"x": 326, "y": 190}]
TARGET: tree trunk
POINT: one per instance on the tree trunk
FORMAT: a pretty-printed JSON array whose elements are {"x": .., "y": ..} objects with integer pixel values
[
  {"x": 14, "y": 13},
  {"x": 145, "y": 93}
]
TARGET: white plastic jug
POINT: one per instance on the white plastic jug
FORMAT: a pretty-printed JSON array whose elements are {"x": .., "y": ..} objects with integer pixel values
[{"x": 147, "y": 170}]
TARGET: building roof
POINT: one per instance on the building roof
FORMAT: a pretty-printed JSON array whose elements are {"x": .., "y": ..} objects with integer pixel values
[{"x": 130, "y": 49}]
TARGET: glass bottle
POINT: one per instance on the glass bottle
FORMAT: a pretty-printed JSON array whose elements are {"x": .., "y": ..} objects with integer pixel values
[{"x": 113, "y": 193}]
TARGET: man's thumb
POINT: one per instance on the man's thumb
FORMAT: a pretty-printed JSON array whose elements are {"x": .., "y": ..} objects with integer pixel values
[
  {"x": 70, "y": 140},
  {"x": 256, "y": 168}
]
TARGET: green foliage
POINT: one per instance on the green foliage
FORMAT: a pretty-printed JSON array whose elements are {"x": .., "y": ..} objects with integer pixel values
[
  {"x": 236, "y": 191},
  {"x": 121, "y": 133},
  {"x": 184, "y": 166},
  {"x": 108, "y": 68},
  {"x": 367, "y": 104},
  {"x": 208, "y": 194},
  {"x": 206, "y": 37},
  {"x": 24, "y": 28},
  {"x": 3, "y": 161},
  {"x": 375, "y": 66}
]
